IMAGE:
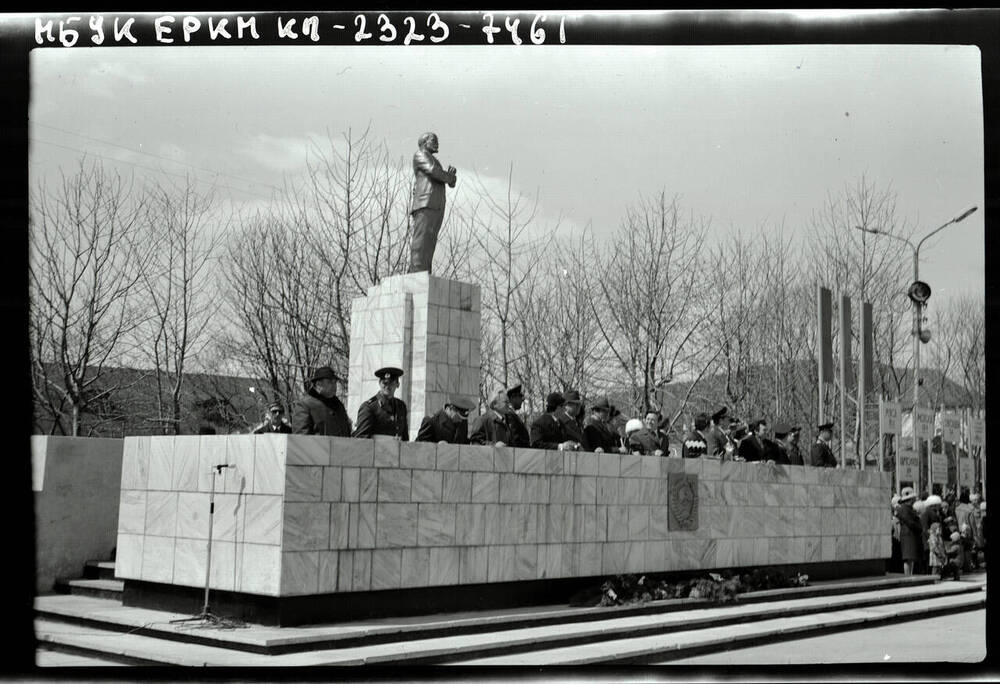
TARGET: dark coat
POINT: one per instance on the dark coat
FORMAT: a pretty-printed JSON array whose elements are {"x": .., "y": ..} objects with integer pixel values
[
  {"x": 751, "y": 448},
  {"x": 910, "y": 532},
  {"x": 283, "y": 428},
  {"x": 775, "y": 451},
  {"x": 441, "y": 428},
  {"x": 647, "y": 442},
  {"x": 573, "y": 430},
  {"x": 520, "y": 436},
  {"x": 492, "y": 427},
  {"x": 314, "y": 414},
  {"x": 795, "y": 455},
  {"x": 821, "y": 456},
  {"x": 378, "y": 417},
  {"x": 716, "y": 440},
  {"x": 599, "y": 435},
  {"x": 547, "y": 432}
]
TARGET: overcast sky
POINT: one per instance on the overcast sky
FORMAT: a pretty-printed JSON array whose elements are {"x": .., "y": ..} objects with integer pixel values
[{"x": 751, "y": 136}]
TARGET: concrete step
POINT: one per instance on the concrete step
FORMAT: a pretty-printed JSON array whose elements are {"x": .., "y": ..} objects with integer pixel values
[
  {"x": 663, "y": 648},
  {"x": 275, "y": 641},
  {"x": 98, "y": 588},
  {"x": 152, "y": 637},
  {"x": 99, "y": 570}
]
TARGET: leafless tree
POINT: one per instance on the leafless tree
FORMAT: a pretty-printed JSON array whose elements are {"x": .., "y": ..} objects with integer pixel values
[
  {"x": 507, "y": 240},
  {"x": 86, "y": 259},
  {"x": 646, "y": 298},
  {"x": 957, "y": 349},
  {"x": 179, "y": 288}
]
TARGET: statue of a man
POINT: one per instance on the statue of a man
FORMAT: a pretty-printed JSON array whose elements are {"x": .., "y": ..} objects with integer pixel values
[{"x": 429, "y": 179}]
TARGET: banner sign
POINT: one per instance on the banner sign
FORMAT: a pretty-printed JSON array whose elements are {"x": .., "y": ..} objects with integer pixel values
[
  {"x": 925, "y": 423},
  {"x": 951, "y": 427},
  {"x": 890, "y": 418},
  {"x": 978, "y": 429},
  {"x": 966, "y": 473},
  {"x": 908, "y": 465},
  {"x": 939, "y": 468}
]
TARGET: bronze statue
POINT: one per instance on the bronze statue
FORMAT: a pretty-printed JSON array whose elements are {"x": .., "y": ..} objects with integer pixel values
[{"x": 429, "y": 178}]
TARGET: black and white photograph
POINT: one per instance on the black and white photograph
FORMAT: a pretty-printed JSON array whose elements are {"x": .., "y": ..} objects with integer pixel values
[{"x": 651, "y": 340}]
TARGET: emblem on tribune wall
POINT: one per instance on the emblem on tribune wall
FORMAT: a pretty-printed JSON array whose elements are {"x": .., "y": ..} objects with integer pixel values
[{"x": 682, "y": 501}]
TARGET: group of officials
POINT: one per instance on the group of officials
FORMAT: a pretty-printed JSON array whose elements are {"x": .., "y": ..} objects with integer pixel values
[{"x": 564, "y": 426}]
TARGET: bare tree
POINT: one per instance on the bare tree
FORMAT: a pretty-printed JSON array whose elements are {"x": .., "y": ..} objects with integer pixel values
[
  {"x": 86, "y": 259},
  {"x": 506, "y": 237},
  {"x": 179, "y": 287},
  {"x": 957, "y": 349},
  {"x": 647, "y": 286}
]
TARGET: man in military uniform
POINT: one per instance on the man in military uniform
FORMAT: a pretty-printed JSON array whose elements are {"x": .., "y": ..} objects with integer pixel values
[
  {"x": 521, "y": 438},
  {"x": 599, "y": 435},
  {"x": 821, "y": 455},
  {"x": 695, "y": 445},
  {"x": 715, "y": 438},
  {"x": 319, "y": 411},
  {"x": 776, "y": 450},
  {"x": 384, "y": 414},
  {"x": 449, "y": 425},
  {"x": 275, "y": 422}
]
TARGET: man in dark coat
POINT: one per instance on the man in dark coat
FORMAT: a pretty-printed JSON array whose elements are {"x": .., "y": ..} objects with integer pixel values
[
  {"x": 520, "y": 438},
  {"x": 794, "y": 453},
  {"x": 752, "y": 446},
  {"x": 449, "y": 425},
  {"x": 558, "y": 429},
  {"x": 275, "y": 422},
  {"x": 599, "y": 435},
  {"x": 494, "y": 427},
  {"x": 715, "y": 438},
  {"x": 319, "y": 411},
  {"x": 569, "y": 416},
  {"x": 429, "y": 179},
  {"x": 821, "y": 455},
  {"x": 695, "y": 444},
  {"x": 384, "y": 414},
  {"x": 776, "y": 450}
]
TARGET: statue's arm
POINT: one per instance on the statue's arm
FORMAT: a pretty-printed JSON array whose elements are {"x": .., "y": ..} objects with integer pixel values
[{"x": 430, "y": 166}]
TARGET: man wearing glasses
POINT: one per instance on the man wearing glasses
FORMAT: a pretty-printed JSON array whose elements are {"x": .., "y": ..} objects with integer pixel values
[
  {"x": 274, "y": 422},
  {"x": 449, "y": 425},
  {"x": 384, "y": 414}
]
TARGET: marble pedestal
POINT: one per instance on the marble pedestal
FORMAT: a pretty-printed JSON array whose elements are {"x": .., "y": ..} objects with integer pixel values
[{"x": 426, "y": 325}]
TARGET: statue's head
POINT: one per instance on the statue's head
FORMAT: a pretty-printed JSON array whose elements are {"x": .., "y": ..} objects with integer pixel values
[{"x": 428, "y": 141}]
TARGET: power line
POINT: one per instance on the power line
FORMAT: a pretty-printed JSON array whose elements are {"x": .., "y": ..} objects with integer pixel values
[
  {"x": 147, "y": 168},
  {"x": 157, "y": 156}
]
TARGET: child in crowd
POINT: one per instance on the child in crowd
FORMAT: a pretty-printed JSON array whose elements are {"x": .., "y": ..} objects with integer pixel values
[
  {"x": 952, "y": 566},
  {"x": 935, "y": 548}
]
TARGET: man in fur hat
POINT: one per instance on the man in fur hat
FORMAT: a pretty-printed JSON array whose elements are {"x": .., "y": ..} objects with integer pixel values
[{"x": 319, "y": 411}]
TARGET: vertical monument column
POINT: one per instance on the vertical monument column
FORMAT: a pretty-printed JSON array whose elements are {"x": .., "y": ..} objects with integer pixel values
[{"x": 426, "y": 325}]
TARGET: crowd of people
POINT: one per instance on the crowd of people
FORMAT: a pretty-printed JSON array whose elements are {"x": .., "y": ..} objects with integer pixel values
[
  {"x": 944, "y": 536},
  {"x": 567, "y": 424}
]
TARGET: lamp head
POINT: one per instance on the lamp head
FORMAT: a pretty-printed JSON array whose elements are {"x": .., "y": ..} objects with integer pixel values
[{"x": 919, "y": 292}]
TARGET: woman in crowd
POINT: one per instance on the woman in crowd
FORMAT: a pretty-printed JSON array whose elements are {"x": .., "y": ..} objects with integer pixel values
[{"x": 910, "y": 531}]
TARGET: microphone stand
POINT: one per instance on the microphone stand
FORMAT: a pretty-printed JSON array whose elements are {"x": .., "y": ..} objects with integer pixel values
[{"x": 206, "y": 615}]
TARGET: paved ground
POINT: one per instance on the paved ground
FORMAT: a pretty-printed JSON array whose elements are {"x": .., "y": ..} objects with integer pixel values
[
  {"x": 958, "y": 638},
  {"x": 54, "y": 659}
]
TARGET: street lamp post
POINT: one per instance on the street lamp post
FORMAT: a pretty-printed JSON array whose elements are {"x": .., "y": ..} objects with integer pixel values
[{"x": 919, "y": 293}]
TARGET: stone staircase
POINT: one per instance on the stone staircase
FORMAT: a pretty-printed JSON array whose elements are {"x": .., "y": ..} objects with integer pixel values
[
  {"x": 98, "y": 581},
  {"x": 657, "y": 631}
]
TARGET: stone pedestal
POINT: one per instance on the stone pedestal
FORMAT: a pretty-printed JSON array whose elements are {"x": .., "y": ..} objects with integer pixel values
[{"x": 426, "y": 325}]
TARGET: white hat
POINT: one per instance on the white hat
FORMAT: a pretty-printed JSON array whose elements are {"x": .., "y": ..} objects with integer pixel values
[
  {"x": 919, "y": 506},
  {"x": 933, "y": 500},
  {"x": 632, "y": 425},
  {"x": 982, "y": 506}
]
